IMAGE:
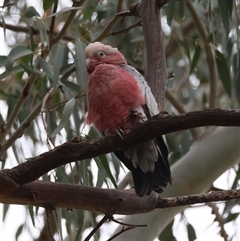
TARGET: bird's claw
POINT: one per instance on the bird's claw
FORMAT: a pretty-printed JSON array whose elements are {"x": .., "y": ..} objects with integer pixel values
[{"x": 120, "y": 132}]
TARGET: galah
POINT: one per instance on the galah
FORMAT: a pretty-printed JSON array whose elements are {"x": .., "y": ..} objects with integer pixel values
[{"x": 118, "y": 99}]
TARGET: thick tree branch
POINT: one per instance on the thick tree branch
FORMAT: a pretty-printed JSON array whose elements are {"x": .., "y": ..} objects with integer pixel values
[
  {"x": 79, "y": 149},
  {"x": 156, "y": 72},
  {"x": 108, "y": 201}
]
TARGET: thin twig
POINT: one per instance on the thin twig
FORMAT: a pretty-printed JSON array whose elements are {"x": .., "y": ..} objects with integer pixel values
[
  {"x": 48, "y": 220},
  {"x": 201, "y": 198},
  {"x": 45, "y": 100},
  {"x": 125, "y": 30},
  {"x": 127, "y": 224},
  {"x": 132, "y": 11},
  {"x": 34, "y": 31},
  {"x": 175, "y": 103},
  {"x": 7, "y": 5},
  {"x": 107, "y": 30},
  {"x": 218, "y": 218},
  {"x": 67, "y": 23},
  {"x": 120, "y": 232},
  {"x": 19, "y": 132},
  {"x": 213, "y": 78},
  {"x": 161, "y": 3},
  {"x": 129, "y": 227},
  {"x": 62, "y": 103},
  {"x": 102, "y": 221},
  {"x": 21, "y": 99},
  {"x": 53, "y": 21}
]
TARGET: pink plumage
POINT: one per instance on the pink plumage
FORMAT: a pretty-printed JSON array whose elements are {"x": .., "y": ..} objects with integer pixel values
[
  {"x": 111, "y": 97},
  {"x": 119, "y": 98}
]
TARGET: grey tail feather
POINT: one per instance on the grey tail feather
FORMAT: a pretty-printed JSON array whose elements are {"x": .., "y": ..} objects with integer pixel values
[{"x": 145, "y": 183}]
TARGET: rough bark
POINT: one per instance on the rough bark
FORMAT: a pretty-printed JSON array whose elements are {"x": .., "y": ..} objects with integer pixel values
[{"x": 79, "y": 149}]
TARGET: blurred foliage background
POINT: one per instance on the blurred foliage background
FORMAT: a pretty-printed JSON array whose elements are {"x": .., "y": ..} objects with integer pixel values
[{"x": 43, "y": 94}]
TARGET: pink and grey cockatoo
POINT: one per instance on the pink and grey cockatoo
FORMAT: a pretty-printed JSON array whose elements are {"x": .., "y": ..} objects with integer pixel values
[{"x": 119, "y": 98}]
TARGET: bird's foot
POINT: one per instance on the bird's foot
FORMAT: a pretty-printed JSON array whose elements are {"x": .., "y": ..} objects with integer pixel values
[{"x": 120, "y": 132}]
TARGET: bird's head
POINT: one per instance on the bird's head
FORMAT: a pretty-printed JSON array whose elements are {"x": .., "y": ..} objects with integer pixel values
[{"x": 97, "y": 53}]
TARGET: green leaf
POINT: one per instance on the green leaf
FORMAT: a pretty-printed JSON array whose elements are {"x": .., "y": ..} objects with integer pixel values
[
  {"x": 58, "y": 54},
  {"x": 19, "y": 231},
  {"x": 46, "y": 69},
  {"x": 224, "y": 72},
  {"x": 67, "y": 68},
  {"x": 48, "y": 4},
  {"x": 3, "y": 26},
  {"x": 31, "y": 12},
  {"x": 105, "y": 164},
  {"x": 71, "y": 86},
  {"x": 3, "y": 60},
  {"x": 185, "y": 45},
  {"x": 167, "y": 233},
  {"x": 196, "y": 58},
  {"x": 67, "y": 112},
  {"x": 225, "y": 7},
  {"x": 64, "y": 10},
  {"x": 15, "y": 54},
  {"x": 237, "y": 87},
  {"x": 191, "y": 232},
  {"x": 81, "y": 72},
  {"x": 170, "y": 12},
  {"x": 31, "y": 212},
  {"x": 30, "y": 69},
  {"x": 14, "y": 70},
  {"x": 30, "y": 32},
  {"x": 5, "y": 210},
  {"x": 180, "y": 7},
  {"x": 42, "y": 30}
]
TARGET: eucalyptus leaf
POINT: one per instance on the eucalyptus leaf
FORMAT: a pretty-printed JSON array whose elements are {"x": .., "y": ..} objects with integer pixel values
[
  {"x": 14, "y": 70},
  {"x": 16, "y": 53},
  {"x": 3, "y": 60},
  {"x": 191, "y": 232},
  {"x": 31, "y": 212},
  {"x": 3, "y": 25},
  {"x": 31, "y": 12},
  {"x": 81, "y": 72},
  {"x": 42, "y": 30},
  {"x": 225, "y": 8},
  {"x": 196, "y": 58},
  {"x": 64, "y": 10},
  {"x": 224, "y": 72},
  {"x": 48, "y": 4},
  {"x": 170, "y": 12},
  {"x": 58, "y": 54},
  {"x": 19, "y": 231},
  {"x": 30, "y": 69},
  {"x": 46, "y": 69},
  {"x": 67, "y": 112},
  {"x": 167, "y": 233},
  {"x": 237, "y": 89}
]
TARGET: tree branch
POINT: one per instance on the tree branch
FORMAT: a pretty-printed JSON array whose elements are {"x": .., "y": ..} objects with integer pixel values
[
  {"x": 34, "y": 31},
  {"x": 109, "y": 201},
  {"x": 156, "y": 72},
  {"x": 79, "y": 149},
  {"x": 71, "y": 16}
]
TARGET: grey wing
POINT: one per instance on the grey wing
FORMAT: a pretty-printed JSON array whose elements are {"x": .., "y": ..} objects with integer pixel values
[{"x": 150, "y": 99}]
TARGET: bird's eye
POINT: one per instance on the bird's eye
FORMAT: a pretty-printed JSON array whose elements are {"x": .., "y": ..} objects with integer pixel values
[{"x": 101, "y": 54}]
